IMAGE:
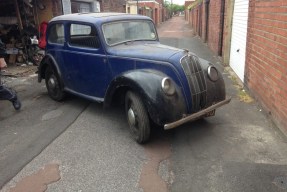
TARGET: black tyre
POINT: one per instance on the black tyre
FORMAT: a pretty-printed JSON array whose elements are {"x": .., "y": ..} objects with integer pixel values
[
  {"x": 137, "y": 116},
  {"x": 53, "y": 84}
]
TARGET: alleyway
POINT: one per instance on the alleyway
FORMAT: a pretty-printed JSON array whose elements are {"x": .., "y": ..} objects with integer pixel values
[{"x": 237, "y": 150}]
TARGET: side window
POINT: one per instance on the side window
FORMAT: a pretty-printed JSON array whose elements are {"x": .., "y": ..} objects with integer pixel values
[
  {"x": 56, "y": 34},
  {"x": 83, "y": 36}
]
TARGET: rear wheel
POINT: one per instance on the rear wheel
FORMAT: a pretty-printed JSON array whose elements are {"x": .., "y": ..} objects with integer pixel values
[
  {"x": 137, "y": 116},
  {"x": 53, "y": 84}
]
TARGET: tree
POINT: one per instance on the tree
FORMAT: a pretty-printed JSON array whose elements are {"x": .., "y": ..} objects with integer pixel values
[{"x": 173, "y": 8}]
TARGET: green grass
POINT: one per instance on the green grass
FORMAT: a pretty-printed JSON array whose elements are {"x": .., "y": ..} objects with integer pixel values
[{"x": 244, "y": 96}]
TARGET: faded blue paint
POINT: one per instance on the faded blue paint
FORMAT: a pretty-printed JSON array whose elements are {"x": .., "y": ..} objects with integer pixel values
[{"x": 90, "y": 71}]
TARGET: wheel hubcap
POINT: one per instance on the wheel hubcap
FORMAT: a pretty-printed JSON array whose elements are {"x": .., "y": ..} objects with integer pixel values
[
  {"x": 52, "y": 83},
  {"x": 131, "y": 117}
]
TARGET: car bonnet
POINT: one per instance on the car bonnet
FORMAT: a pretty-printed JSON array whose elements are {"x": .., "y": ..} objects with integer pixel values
[{"x": 140, "y": 50}]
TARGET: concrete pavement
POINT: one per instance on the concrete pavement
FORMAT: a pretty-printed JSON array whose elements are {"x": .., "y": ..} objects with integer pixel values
[
  {"x": 238, "y": 149},
  {"x": 25, "y": 133}
]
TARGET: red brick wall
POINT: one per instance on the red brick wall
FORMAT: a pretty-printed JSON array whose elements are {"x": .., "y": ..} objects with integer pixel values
[
  {"x": 266, "y": 59},
  {"x": 214, "y": 25},
  {"x": 191, "y": 17},
  {"x": 186, "y": 4},
  {"x": 57, "y": 8},
  {"x": 203, "y": 34},
  {"x": 194, "y": 21},
  {"x": 160, "y": 10},
  {"x": 154, "y": 6},
  {"x": 113, "y": 6}
]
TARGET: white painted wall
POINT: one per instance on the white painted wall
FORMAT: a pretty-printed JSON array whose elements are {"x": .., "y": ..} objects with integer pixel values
[
  {"x": 132, "y": 6},
  {"x": 67, "y": 5}
]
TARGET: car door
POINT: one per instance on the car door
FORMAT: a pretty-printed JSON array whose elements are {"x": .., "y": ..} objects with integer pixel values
[{"x": 86, "y": 63}]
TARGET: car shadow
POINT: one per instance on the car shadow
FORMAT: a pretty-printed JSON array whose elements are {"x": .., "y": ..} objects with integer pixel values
[{"x": 116, "y": 114}]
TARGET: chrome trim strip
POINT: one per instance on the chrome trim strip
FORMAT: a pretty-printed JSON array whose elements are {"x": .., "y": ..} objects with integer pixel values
[{"x": 196, "y": 115}]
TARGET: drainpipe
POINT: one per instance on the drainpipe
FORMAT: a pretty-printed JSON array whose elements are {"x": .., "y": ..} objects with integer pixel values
[
  {"x": 220, "y": 44},
  {"x": 206, "y": 19}
]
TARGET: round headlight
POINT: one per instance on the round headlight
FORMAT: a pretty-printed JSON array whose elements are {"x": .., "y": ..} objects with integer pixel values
[
  {"x": 167, "y": 86},
  {"x": 212, "y": 73}
]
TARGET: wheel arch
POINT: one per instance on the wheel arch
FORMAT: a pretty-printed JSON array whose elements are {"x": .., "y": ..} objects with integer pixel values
[
  {"x": 147, "y": 84},
  {"x": 118, "y": 88},
  {"x": 47, "y": 61}
]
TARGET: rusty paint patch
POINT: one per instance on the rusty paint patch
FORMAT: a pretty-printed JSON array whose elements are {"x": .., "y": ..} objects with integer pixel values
[
  {"x": 156, "y": 152},
  {"x": 38, "y": 182}
]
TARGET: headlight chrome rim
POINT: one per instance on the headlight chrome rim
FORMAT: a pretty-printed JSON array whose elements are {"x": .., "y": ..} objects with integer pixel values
[
  {"x": 167, "y": 86},
  {"x": 212, "y": 72}
]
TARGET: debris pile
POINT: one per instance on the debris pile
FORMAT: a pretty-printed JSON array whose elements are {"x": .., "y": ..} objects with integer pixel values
[{"x": 19, "y": 31}]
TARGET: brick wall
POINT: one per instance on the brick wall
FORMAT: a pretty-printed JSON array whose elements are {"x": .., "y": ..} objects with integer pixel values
[
  {"x": 198, "y": 22},
  {"x": 194, "y": 18},
  {"x": 204, "y": 17},
  {"x": 155, "y": 10},
  {"x": 113, "y": 6},
  {"x": 57, "y": 8},
  {"x": 214, "y": 25},
  {"x": 266, "y": 59},
  {"x": 198, "y": 18},
  {"x": 186, "y": 4}
]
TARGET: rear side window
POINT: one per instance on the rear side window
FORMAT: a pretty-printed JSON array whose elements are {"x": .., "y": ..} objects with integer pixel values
[
  {"x": 56, "y": 34},
  {"x": 83, "y": 36}
]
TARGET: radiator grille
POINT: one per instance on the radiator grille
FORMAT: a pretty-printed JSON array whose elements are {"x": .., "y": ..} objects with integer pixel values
[{"x": 196, "y": 81}]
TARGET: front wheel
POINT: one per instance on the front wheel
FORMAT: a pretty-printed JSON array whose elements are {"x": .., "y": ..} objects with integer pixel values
[
  {"x": 53, "y": 84},
  {"x": 137, "y": 116}
]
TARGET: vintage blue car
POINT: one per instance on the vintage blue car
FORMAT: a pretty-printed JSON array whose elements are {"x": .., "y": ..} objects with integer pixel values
[{"x": 117, "y": 58}]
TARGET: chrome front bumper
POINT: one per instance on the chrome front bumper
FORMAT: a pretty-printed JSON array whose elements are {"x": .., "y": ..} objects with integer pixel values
[{"x": 196, "y": 115}]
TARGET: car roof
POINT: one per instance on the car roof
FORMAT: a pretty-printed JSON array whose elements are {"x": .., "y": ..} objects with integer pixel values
[{"x": 98, "y": 17}]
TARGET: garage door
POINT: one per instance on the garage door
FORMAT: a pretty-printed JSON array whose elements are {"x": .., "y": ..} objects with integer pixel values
[{"x": 238, "y": 38}]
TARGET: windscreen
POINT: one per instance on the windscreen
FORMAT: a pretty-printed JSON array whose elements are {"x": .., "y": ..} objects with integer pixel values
[{"x": 125, "y": 31}]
